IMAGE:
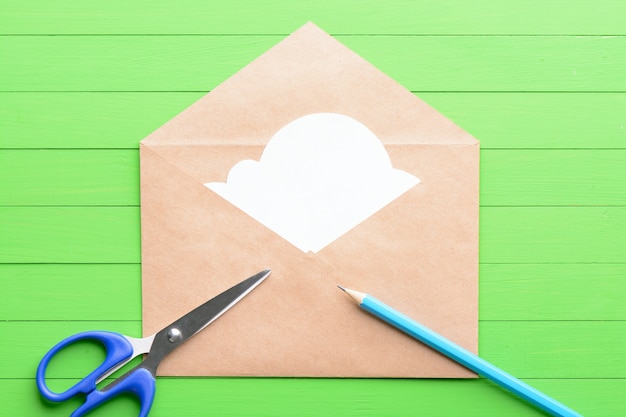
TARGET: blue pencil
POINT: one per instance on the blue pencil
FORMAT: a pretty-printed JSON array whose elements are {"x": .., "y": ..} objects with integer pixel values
[{"x": 459, "y": 354}]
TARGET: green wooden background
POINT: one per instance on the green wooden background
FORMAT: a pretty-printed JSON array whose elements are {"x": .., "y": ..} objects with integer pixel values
[{"x": 542, "y": 85}]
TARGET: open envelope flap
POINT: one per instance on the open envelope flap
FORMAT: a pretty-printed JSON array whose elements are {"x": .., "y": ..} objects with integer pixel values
[
  {"x": 308, "y": 72},
  {"x": 297, "y": 323}
]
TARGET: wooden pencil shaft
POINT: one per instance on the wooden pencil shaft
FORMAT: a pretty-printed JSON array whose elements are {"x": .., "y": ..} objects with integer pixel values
[{"x": 459, "y": 354}]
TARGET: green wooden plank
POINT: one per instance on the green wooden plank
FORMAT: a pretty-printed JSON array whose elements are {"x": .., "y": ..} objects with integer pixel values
[
  {"x": 314, "y": 397},
  {"x": 20, "y": 398},
  {"x": 507, "y": 292},
  {"x": 507, "y": 234},
  {"x": 70, "y": 234},
  {"x": 552, "y": 292},
  {"x": 508, "y": 177},
  {"x": 281, "y": 17},
  {"x": 420, "y": 63},
  {"x": 553, "y": 177},
  {"x": 69, "y": 177},
  {"x": 552, "y": 234},
  {"x": 70, "y": 292},
  {"x": 86, "y": 120},
  {"x": 275, "y": 397},
  {"x": 391, "y": 397},
  {"x": 537, "y": 120},
  {"x": 498, "y": 120},
  {"x": 555, "y": 349},
  {"x": 535, "y": 349}
]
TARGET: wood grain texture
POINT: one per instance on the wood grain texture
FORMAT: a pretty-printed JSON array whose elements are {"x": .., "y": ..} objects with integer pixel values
[
  {"x": 91, "y": 292},
  {"x": 541, "y": 84},
  {"x": 419, "y": 63},
  {"x": 313, "y": 397},
  {"x": 574, "y": 291},
  {"x": 401, "y": 17}
]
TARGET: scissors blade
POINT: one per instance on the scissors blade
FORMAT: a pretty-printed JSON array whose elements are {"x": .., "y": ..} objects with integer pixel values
[{"x": 174, "y": 335}]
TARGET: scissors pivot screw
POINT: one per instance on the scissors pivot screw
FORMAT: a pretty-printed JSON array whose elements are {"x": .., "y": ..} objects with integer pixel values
[{"x": 174, "y": 335}]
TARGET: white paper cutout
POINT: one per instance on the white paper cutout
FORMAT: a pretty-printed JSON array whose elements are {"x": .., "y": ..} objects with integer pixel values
[{"x": 318, "y": 177}]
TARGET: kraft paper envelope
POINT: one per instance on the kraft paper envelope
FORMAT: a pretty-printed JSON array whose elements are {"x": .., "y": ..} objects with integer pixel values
[{"x": 418, "y": 252}]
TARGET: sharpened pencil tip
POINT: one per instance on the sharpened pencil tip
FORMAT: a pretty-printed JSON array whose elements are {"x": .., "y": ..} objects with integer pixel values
[{"x": 355, "y": 295}]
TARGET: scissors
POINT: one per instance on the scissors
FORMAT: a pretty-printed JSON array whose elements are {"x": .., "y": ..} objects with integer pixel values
[{"x": 139, "y": 381}]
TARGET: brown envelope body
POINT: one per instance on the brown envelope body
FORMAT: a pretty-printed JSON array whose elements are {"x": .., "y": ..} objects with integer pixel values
[{"x": 418, "y": 254}]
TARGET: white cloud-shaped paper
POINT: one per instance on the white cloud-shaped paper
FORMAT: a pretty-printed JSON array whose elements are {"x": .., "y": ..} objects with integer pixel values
[{"x": 318, "y": 177}]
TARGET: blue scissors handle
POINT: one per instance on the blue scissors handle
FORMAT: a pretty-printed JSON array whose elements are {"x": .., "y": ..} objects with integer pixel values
[
  {"x": 139, "y": 382},
  {"x": 118, "y": 351}
]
